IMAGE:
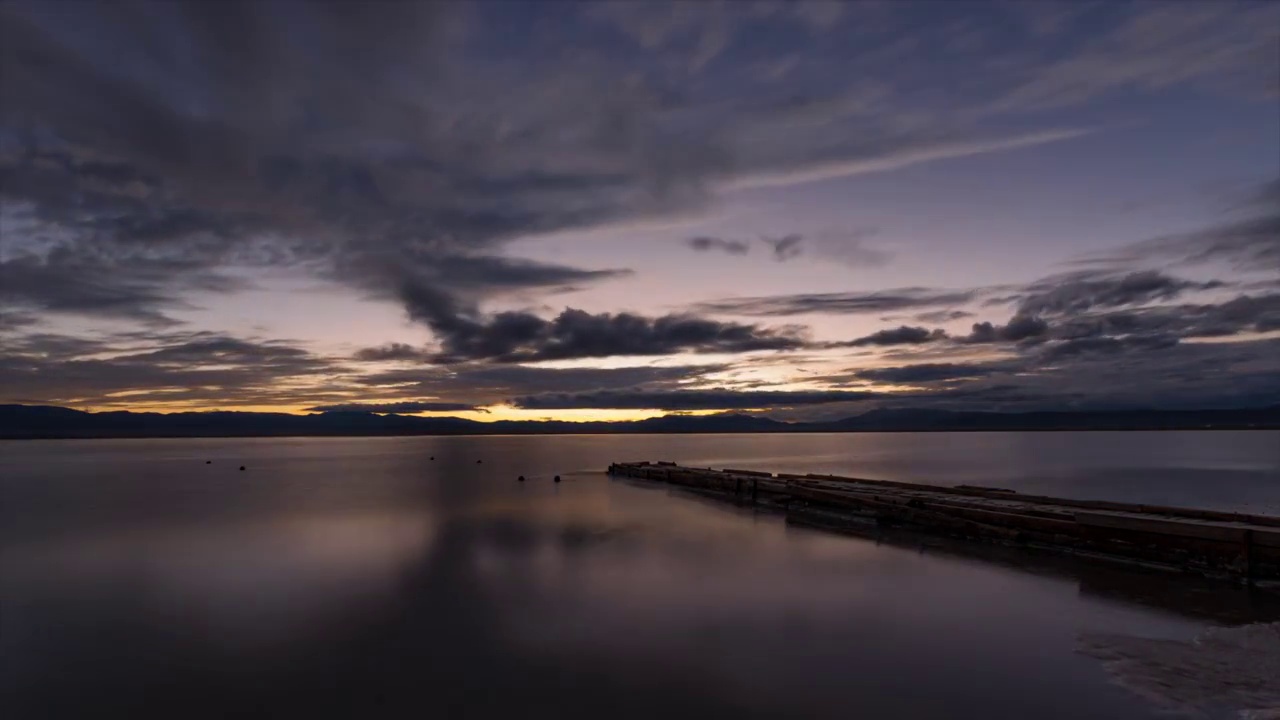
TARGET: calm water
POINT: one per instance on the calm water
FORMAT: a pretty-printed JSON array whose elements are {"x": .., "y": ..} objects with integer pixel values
[{"x": 360, "y": 578}]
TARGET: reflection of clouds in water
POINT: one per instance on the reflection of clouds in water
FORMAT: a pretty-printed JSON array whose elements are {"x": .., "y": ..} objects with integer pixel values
[
  {"x": 701, "y": 575},
  {"x": 255, "y": 582},
  {"x": 1237, "y": 668}
]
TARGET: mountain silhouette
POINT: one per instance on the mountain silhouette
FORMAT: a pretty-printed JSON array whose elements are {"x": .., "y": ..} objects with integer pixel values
[{"x": 40, "y": 421}]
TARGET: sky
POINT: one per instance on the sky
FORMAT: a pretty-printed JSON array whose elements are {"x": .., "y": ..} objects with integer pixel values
[{"x": 616, "y": 210}]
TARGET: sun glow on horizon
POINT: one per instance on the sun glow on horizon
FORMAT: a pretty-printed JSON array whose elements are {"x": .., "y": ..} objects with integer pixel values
[{"x": 489, "y": 414}]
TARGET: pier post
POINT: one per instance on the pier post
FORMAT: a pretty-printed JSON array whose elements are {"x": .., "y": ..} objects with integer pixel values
[{"x": 1248, "y": 556}]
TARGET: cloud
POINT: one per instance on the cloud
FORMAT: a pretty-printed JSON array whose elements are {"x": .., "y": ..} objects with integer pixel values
[
  {"x": 193, "y": 368},
  {"x": 1156, "y": 46},
  {"x": 836, "y": 168},
  {"x": 400, "y": 150},
  {"x": 1019, "y": 328},
  {"x": 489, "y": 273},
  {"x": 1242, "y": 314},
  {"x": 704, "y": 243},
  {"x": 1248, "y": 243},
  {"x": 849, "y": 247},
  {"x": 785, "y": 248},
  {"x": 392, "y": 351},
  {"x": 929, "y": 372},
  {"x": 1152, "y": 372},
  {"x": 131, "y": 288},
  {"x": 1082, "y": 291},
  {"x": 375, "y": 149},
  {"x": 401, "y": 408},
  {"x": 904, "y": 335},
  {"x": 523, "y": 337},
  {"x": 181, "y": 369},
  {"x": 941, "y": 316},
  {"x": 709, "y": 399},
  {"x": 493, "y": 383},
  {"x": 1104, "y": 346},
  {"x": 837, "y": 303},
  {"x": 10, "y": 320}
]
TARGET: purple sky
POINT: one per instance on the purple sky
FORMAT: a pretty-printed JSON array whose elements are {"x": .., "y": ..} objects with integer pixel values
[{"x": 608, "y": 210}]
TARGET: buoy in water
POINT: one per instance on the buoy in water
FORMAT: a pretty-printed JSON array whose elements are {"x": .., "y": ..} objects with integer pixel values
[
  {"x": 433, "y": 457},
  {"x": 521, "y": 478},
  {"x": 557, "y": 478},
  {"x": 242, "y": 467},
  {"x": 479, "y": 461},
  {"x": 208, "y": 462}
]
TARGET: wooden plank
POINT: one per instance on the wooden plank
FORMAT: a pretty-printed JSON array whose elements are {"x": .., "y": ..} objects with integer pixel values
[
  {"x": 1182, "y": 528},
  {"x": 992, "y": 515},
  {"x": 1191, "y": 513},
  {"x": 1205, "y": 540},
  {"x": 1266, "y": 537}
]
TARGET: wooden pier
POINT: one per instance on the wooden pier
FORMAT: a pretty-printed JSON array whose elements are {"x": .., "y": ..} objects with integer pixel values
[{"x": 1208, "y": 542}]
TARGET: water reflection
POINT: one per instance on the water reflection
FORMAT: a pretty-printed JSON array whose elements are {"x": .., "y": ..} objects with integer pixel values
[
  {"x": 258, "y": 583},
  {"x": 355, "y": 578}
]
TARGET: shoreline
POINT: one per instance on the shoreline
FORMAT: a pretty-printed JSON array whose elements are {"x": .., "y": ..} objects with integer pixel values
[{"x": 612, "y": 431}]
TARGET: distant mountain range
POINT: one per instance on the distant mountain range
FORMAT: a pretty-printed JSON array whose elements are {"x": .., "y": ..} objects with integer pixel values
[{"x": 38, "y": 421}]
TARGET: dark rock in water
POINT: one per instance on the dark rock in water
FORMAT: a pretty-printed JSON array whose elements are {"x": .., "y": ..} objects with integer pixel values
[
  {"x": 557, "y": 478},
  {"x": 521, "y": 478},
  {"x": 208, "y": 462},
  {"x": 433, "y": 457},
  {"x": 242, "y": 467},
  {"x": 479, "y": 461}
]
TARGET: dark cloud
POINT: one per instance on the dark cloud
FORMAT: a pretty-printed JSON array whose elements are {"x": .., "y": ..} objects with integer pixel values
[
  {"x": 397, "y": 149},
  {"x": 208, "y": 370},
  {"x": 904, "y": 335},
  {"x": 523, "y": 337},
  {"x": 401, "y": 408},
  {"x": 1080, "y": 292},
  {"x": 1104, "y": 346},
  {"x": 10, "y": 320},
  {"x": 392, "y": 351},
  {"x": 271, "y": 148},
  {"x": 941, "y": 316},
  {"x": 498, "y": 273},
  {"x": 1019, "y": 328},
  {"x": 134, "y": 288},
  {"x": 491, "y": 383},
  {"x": 1095, "y": 373},
  {"x": 703, "y": 243},
  {"x": 1250, "y": 243},
  {"x": 53, "y": 346},
  {"x": 228, "y": 350},
  {"x": 929, "y": 372},
  {"x": 197, "y": 369},
  {"x": 709, "y": 399},
  {"x": 837, "y": 303},
  {"x": 1151, "y": 371},
  {"x": 786, "y": 247},
  {"x": 1242, "y": 314}
]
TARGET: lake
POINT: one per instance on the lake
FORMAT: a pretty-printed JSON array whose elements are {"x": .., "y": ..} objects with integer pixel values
[{"x": 399, "y": 577}]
